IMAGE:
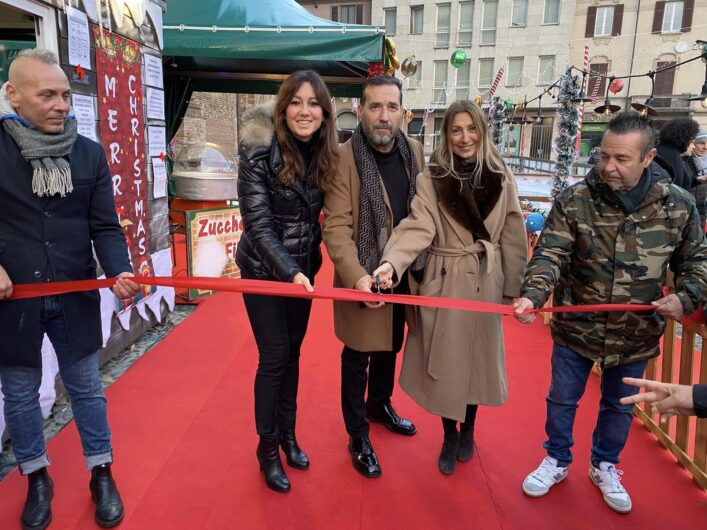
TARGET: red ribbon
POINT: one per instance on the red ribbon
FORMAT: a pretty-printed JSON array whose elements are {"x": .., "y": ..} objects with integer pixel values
[{"x": 292, "y": 290}]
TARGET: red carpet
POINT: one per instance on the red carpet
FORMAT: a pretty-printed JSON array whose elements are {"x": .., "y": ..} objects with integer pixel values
[{"x": 185, "y": 448}]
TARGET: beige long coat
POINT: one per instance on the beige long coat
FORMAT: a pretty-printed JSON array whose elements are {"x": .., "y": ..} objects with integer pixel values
[
  {"x": 359, "y": 327},
  {"x": 455, "y": 358}
]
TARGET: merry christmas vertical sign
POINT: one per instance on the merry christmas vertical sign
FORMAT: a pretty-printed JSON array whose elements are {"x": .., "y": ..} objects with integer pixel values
[{"x": 122, "y": 126}]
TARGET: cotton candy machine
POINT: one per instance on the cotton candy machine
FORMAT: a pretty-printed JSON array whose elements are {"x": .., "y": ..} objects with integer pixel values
[{"x": 204, "y": 172}]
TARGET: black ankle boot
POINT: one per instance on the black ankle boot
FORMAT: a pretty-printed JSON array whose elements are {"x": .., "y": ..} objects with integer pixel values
[
  {"x": 104, "y": 492},
  {"x": 466, "y": 442},
  {"x": 293, "y": 453},
  {"x": 448, "y": 455},
  {"x": 269, "y": 457},
  {"x": 37, "y": 513}
]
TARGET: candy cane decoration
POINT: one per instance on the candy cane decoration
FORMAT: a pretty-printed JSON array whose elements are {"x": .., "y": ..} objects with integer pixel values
[
  {"x": 496, "y": 81},
  {"x": 595, "y": 90},
  {"x": 585, "y": 69}
]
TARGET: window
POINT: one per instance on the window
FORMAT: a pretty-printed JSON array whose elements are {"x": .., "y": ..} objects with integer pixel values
[
  {"x": 415, "y": 81},
  {"x": 520, "y": 13},
  {"x": 488, "y": 22},
  {"x": 604, "y": 22},
  {"x": 466, "y": 21},
  {"x": 546, "y": 70},
  {"x": 463, "y": 77},
  {"x": 515, "y": 71},
  {"x": 443, "y": 19},
  {"x": 552, "y": 12},
  {"x": 347, "y": 14},
  {"x": 416, "y": 128},
  {"x": 438, "y": 133},
  {"x": 672, "y": 17},
  {"x": 391, "y": 20},
  {"x": 485, "y": 73},
  {"x": 416, "y": 13},
  {"x": 440, "y": 83}
]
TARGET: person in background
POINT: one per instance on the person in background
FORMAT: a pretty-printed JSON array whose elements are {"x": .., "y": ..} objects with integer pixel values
[
  {"x": 675, "y": 139},
  {"x": 288, "y": 158},
  {"x": 669, "y": 399},
  {"x": 56, "y": 198},
  {"x": 610, "y": 239},
  {"x": 698, "y": 162},
  {"x": 467, "y": 215},
  {"x": 370, "y": 196},
  {"x": 594, "y": 155}
]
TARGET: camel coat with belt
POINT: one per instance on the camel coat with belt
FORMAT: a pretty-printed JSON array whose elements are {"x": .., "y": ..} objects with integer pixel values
[
  {"x": 477, "y": 251},
  {"x": 357, "y": 326}
]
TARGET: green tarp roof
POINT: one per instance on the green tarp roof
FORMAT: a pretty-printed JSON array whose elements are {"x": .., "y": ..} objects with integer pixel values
[{"x": 250, "y": 45}]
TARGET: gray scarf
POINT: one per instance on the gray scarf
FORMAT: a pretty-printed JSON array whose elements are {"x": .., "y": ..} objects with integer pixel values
[
  {"x": 46, "y": 153},
  {"x": 372, "y": 224}
]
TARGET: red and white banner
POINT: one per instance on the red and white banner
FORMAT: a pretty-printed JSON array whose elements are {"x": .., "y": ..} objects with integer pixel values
[{"x": 122, "y": 126}]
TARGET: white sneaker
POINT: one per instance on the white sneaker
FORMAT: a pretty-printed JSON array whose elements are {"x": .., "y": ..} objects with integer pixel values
[
  {"x": 608, "y": 479},
  {"x": 539, "y": 482}
]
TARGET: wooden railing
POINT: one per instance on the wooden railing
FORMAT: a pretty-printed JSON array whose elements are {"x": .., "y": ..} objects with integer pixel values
[{"x": 684, "y": 436}]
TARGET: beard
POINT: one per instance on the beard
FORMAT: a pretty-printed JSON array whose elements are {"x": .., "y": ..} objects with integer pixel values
[{"x": 380, "y": 137}]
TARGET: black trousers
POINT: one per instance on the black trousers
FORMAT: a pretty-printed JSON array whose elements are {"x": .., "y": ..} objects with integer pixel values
[
  {"x": 279, "y": 325},
  {"x": 380, "y": 378}
]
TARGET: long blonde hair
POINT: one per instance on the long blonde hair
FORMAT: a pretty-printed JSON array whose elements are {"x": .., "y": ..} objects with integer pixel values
[{"x": 487, "y": 154}]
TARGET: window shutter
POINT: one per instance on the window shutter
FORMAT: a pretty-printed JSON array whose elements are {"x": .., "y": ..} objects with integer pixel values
[
  {"x": 335, "y": 13},
  {"x": 600, "y": 68},
  {"x": 688, "y": 8},
  {"x": 359, "y": 14},
  {"x": 618, "y": 19},
  {"x": 664, "y": 80},
  {"x": 591, "y": 21},
  {"x": 658, "y": 17}
]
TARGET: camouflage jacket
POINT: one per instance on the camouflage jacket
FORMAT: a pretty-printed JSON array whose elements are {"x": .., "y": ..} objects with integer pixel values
[{"x": 591, "y": 252}]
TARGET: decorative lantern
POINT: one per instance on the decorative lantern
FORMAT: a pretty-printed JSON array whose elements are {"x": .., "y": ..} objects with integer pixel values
[
  {"x": 408, "y": 116},
  {"x": 458, "y": 58},
  {"x": 508, "y": 103},
  {"x": 409, "y": 66},
  {"x": 616, "y": 86},
  {"x": 478, "y": 101}
]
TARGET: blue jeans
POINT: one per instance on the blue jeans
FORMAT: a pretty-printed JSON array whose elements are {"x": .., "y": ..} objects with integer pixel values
[
  {"x": 570, "y": 372},
  {"x": 20, "y": 386}
]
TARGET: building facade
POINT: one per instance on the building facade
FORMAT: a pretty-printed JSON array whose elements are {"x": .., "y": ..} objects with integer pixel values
[{"x": 635, "y": 37}]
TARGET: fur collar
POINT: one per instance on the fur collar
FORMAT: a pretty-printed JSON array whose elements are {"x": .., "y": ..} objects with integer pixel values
[
  {"x": 468, "y": 207},
  {"x": 258, "y": 129}
]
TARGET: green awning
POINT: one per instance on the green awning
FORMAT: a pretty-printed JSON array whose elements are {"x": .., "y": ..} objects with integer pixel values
[{"x": 251, "y": 45}]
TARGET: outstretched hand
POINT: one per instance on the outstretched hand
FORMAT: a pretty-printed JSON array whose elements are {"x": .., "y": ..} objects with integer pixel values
[
  {"x": 667, "y": 399},
  {"x": 5, "y": 284},
  {"x": 124, "y": 288},
  {"x": 669, "y": 307}
]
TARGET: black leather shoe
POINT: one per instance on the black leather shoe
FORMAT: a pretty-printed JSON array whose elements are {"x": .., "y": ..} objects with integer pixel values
[
  {"x": 386, "y": 415},
  {"x": 448, "y": 455},
  {"x": 293, "y": 452},
  {"x": 364, "y": 458},
  {"x": 104, "y": 492},
  {"x": 37, "y": 513},
  {"x": 466, "y": 443},
  {"x": 270, "y": 464}
]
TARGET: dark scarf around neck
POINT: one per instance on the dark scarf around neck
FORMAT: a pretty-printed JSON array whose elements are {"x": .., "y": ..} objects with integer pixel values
[{"x": 372, "y": 222}]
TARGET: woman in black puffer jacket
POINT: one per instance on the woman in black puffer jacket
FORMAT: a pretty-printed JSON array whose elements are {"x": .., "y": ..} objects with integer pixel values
[{"x": 288, "y": 157}]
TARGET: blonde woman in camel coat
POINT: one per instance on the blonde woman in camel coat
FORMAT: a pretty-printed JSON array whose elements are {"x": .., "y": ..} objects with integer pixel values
[{"x": 466, "y": 214}]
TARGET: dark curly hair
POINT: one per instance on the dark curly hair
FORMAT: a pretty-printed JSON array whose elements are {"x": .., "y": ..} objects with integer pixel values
[{"x": 679, "y": 132}]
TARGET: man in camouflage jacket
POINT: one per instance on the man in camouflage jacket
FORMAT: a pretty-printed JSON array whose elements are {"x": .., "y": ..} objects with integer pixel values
[{"x": 610, "y": 239}]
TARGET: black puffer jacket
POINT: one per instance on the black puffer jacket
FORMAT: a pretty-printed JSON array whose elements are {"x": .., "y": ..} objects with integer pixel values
[{"x": 282, "y": 235}]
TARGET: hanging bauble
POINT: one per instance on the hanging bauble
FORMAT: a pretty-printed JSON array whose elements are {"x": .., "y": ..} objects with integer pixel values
[
  {"x": 478, "y": 101},
  {"x": 409, "y": 116},
  {"x": 508, "y": 103},
  {"x": 458, "y": 58},
  {"x": 616, "y": 86},
  {"x": 409, "y": 66}
]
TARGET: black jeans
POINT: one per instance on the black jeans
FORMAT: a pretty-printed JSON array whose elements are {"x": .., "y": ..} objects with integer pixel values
[
  {"x": 380, "y": 379},
  {"x": 279, "y": 325}
]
